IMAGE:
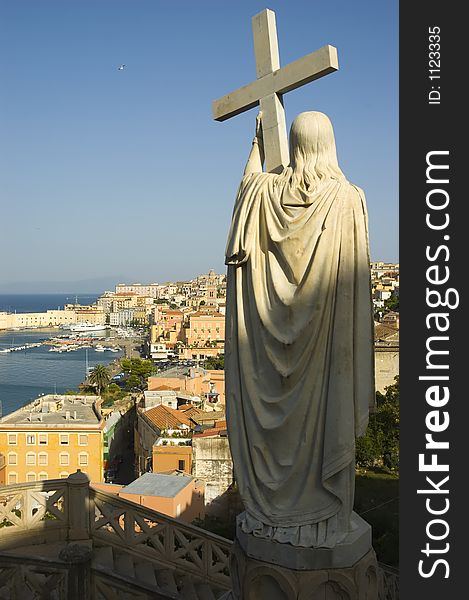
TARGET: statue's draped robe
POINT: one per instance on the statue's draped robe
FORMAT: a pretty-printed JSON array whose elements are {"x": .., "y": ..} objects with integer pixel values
[{"x": 298, "y": 354}]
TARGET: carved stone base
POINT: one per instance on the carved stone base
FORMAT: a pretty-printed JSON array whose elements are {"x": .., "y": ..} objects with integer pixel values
[
  {"x": 326, "y": 576},
  {"x": 355, "y": 545}
]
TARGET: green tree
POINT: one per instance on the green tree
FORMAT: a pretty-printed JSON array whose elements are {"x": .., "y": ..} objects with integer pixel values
[
  {"x": 215, "y": 363},
  {"x": 380, "y": 444},
  {"x": 113, "y": 389},
  {"x": 139, "y": 368},
  {"x": 133, "y": 382},
  {"x": 392, "y": 303},
  {"x": 100, "y": 378},
  {"x": 112, "y": 394}
]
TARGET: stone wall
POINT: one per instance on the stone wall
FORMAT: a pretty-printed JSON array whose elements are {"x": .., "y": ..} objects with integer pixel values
[
  {"x": 213, "y": 464},
  {"x": 386, "y": 366}
]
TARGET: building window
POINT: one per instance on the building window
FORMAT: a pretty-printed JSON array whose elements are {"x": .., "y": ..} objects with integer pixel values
[
  {"x": 12, "y": 458},
  {"x": 64, "y": 459},
  {"x": 83, "y": 439},
  {"x": 31, "y": 477},
  {"x": 83, "y": 459},
  {"x": 63, "y": 475},
  {"x": 12, "y": 439},
  {"x": 42, "y": 439},
  {"x": 30, "y": 458},
  {"x": 42, "y": 476},
  {"x": 31, "y": 439},
  {"x": 182, "y": 465},
  {"x": 12, "y": 478},
  {"x": 64, "y": 439},
  {"x": 42, "y": 458}
]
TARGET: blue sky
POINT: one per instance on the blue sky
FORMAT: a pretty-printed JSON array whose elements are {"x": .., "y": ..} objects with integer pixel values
[{"x": 124, "y": 173}]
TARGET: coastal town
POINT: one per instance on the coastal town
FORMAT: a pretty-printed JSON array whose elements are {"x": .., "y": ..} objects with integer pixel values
[
  {"x": 160, "y": 407},
  {"x": 149, "y": 428},
  {"x": 199, "y": 350}
]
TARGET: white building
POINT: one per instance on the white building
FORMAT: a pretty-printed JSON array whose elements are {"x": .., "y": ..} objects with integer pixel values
[
  {"x": 158, "y": 351},
  {"x": 142, "y": 289}
]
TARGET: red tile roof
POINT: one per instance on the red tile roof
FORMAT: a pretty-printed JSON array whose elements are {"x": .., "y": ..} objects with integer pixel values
[
  {"x": 167, "y": 418},
  {"x": 191, "y": 412},
  {"x": 214, "y": 415},
  {"x": 382, "y": 332},
  {"x": 216, "y": 431},
  {"x": 163, "y": 387}
]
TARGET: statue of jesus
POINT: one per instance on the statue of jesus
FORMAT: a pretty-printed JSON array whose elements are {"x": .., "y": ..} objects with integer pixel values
[{"x": 299, "y": 339}]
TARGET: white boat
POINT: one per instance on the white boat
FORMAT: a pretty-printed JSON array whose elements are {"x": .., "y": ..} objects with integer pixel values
[{"x": 87, "y": 327}]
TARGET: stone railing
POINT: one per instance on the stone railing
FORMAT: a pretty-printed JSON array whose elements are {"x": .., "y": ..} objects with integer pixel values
[
  {"x": 157, "y": 537},
  {"x": 32, "y": 513},
  {"x": 70, "y": 510}
]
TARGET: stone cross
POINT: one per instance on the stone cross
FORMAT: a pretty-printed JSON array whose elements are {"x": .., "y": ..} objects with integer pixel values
[{"x": 271, "y": 83}]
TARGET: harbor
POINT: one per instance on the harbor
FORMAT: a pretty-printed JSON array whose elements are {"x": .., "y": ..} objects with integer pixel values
[
  {"x": 45, "y": 361},
  {"x": 67, "y": 343}
]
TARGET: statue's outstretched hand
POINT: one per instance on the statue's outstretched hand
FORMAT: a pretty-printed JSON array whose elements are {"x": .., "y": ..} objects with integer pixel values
[
  {"x": 256, "y": 156},
  {"x": 259, "y": 127}
]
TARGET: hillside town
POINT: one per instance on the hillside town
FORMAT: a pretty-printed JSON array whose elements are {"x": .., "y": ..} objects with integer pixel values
[{"x": 171, "y": 423}]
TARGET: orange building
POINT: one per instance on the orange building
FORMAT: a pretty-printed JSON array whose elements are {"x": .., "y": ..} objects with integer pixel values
[
  {"x": 167, "y": 323},
  {"x": 178, "y": 496},
  {"x": 159, "y": 422},
  {"x": 172, "y": 458},
  {"x": 205, "y": 328},
  {"x": 200, "y": 382},
  {"x": 51, "y": 438}
]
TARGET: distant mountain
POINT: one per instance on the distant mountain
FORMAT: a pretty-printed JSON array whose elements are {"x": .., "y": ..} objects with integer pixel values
[{"x": 89, "y": 286}]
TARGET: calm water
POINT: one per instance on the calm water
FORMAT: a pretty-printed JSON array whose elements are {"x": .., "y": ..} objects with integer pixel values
[
  {"x": 27, "y": 373},
  {"x": 23, "y": 303}
]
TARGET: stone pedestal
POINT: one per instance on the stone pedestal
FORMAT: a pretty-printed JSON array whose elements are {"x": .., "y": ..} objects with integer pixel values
[
  {"x": 78, "y": 557},
  {"x": 267, "y": 570}
]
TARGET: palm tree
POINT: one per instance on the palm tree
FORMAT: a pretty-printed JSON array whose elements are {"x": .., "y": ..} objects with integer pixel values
[{"x": 100, "y": 378}]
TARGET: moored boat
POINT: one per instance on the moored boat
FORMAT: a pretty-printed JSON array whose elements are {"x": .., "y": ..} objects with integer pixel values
[{"x": 83, "y": 327}]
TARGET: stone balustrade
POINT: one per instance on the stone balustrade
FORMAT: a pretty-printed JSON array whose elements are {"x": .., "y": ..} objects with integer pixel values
[{"x": 71, "y": 513}]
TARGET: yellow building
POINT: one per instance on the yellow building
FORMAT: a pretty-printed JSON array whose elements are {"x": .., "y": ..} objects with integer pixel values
[
  {"x": 51, "y": 318},
  {"x": 205, "y": 328},
  {"x": 97, "y": 317},
  {"x": 89, "y": 313},
  {"x": 51, "y": 438},
  {"x": 122, "y": 301},
  {"x": 150, "y": 289},
  {"x": 167, "y": 324}
]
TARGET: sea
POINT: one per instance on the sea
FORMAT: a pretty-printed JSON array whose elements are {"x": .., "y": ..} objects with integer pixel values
[
  {"x": 24, "y": 303},
  {"x": 26, "y": 374}
]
